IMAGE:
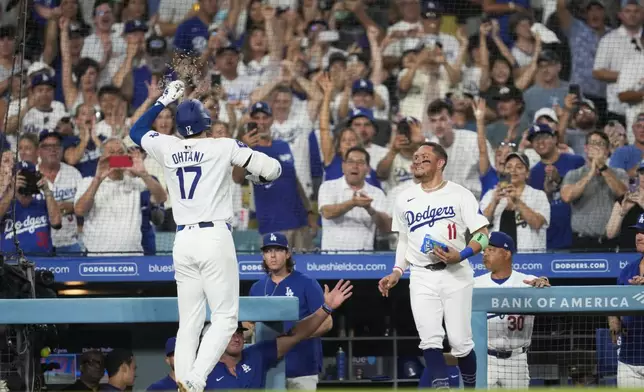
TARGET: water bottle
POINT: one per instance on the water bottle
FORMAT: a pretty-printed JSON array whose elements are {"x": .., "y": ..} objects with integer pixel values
[{"x": 340, "y": 358}]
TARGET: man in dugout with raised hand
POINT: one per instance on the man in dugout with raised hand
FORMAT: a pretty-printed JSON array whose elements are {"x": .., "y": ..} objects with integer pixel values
[{"x": 628, "y": 331}]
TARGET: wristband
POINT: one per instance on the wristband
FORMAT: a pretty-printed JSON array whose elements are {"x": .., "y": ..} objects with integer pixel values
[
  {"x": 467, "y": 253},
  {"x": 399, "y": 269},
  {"x": 603, "y": 168},
  {"x": 327, "y": 309}
]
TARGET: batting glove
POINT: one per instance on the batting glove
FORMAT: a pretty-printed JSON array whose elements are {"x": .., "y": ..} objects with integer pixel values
[
  {"x": 173, "y": 92},
  {"x": 255, "y": 179}
]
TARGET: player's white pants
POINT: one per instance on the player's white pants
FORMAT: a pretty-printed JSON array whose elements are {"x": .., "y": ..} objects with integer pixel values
[
  {"x": 629, "y": 376},
  {"x": 510, "y": 373},
  {"x": 435, "y": 295},
  {"x": 205, "y": 268},
  {"x": 305, "y": 383}
]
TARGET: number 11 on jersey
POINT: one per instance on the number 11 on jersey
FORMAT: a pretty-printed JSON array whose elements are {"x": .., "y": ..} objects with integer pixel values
[
  {"x": 451, "y": 231},
  {"x": 195, "y": 180}
]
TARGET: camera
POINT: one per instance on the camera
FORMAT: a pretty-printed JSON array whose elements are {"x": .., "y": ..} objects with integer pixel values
[{"x": 31, "y": 179}]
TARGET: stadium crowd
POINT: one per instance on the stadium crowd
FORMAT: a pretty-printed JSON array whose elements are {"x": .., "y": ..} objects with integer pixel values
[{"x": 538, "y": 104}]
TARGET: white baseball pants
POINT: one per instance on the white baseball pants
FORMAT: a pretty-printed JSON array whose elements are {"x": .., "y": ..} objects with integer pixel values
[
  {"x": 205, "y": 268},
  {"x": 510, "y": 373},
  {"x": 435, "y": 295},
  {"x": 629, "y": 376}
]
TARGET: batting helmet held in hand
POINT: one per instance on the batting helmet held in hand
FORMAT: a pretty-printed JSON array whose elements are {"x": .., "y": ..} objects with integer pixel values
[{"x": 192, "y": 118}]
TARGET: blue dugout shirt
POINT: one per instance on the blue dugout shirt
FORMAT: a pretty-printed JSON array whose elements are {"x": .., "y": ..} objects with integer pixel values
[
  {"x": 164, "y": 384},
  {"x": 334, "y": 171},
  {"x": 278, "y": 204},
  {"x": 559, "y": 233},
  {"x": 305, "y": 359},
  {"x": 31, "y": 226},
  {"x": 631, "y": 344},
  {"x": 251, "y": 370}
]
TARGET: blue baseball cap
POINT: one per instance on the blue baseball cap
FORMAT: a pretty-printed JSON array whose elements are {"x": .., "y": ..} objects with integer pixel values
[
  {"x": 275, "y": 239},
  {"x": 361, "y": 112},
  {"x": 431, "y": 10},
  {"x": 261, "y": 107},
  {"x": 639, "y": 226},
  {"x": 132, "y": 26},
  {"x": 538, "y": 129},
  {"x": 499, "y": 239},
  {"x": 362, "y": 86},
  {"x": 45, "y": 133},
  {"x": 169, "y": 346},
  {"x": 27, "y": 166},
  {"x": 42, "y": 78}
]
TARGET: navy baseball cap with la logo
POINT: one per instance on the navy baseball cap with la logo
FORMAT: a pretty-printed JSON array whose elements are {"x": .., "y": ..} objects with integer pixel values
[
  {"x": 499, "y": 239},
  {"x": 639, "y": 226},
  {"x": 275, "y": 239}
]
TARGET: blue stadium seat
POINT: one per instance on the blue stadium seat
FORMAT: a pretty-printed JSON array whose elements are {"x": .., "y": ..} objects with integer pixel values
[{"x": 247, "y": 240}]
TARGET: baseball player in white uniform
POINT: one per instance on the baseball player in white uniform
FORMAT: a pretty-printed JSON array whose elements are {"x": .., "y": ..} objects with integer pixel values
[
  {"x": 198, "y": 175},
  {"x": 509, "y": 335},
  {"x": 432, "y": 219}
]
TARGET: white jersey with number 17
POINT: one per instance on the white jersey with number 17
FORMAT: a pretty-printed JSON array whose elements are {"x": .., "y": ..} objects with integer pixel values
[{"x": 198, "y": 174}]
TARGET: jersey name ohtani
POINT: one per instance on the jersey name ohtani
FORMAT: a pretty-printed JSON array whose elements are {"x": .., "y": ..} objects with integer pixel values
[
  {"x": 428, "y": 217},
  {"x": 187, "y": 156}
]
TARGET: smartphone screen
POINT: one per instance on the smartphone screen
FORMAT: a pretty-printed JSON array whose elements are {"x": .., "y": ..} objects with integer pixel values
[
  {"x": 120, "y": 161},
  {"x": 251, "y": 126},
  {"x": 504, "y": 180},
  {"x": 574, "y": 89},
  {"x": 215, "y": 80}
]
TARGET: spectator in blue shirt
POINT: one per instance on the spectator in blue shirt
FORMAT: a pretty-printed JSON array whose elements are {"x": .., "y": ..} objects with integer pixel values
[
  {"x": 281, "y": 205},
  {"x": 629, "y": 156},
  {"x": 29, "y": 217},
  {"x": 120, "y": 365},
  {"x": 192, "y": 35},
  {"x": 167, "y": 383},
  {"x": 547, "y": 175},
  {"x": 83, "y": 151},
  {"x": 245, "y": 368},
  {"x": 628, "y": 331},
  {"x": 304, "y": 361}
]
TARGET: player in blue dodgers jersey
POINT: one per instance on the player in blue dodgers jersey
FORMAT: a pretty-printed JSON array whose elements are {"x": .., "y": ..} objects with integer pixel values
[
  {"x": 547, "y": 175},
  {"x": 34, "y": 215},
  {"x": 628, "y": 331},
  {"x": 198, "y": 173},
  {"x": 192, "y": 34},
  {"x": 245, "y": 368},
  {"x": 304, "y": 360},
  {"x": 167, "y": 383},
  {"x": 432, "y": 219}
]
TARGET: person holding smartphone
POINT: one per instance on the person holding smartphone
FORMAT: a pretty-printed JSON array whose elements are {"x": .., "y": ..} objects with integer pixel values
[{"x": 110, "y": 201}]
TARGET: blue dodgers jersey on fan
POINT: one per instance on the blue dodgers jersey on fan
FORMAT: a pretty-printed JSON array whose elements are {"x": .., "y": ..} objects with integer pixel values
[
  {"x": 88, "y": 162},
  {"x": 631, "y": 344},
  {"x": 334, "y": 171},
  {"x": 305, "y": 358},
  {"x": 32, "y": 227},
  {"x": 191, "y": 35},
  {"x": 164, "y": 384},
  {"x": 251, "y": 370},
  {"x": 278, "y": 204},
  {"x": 488, "y": 180},
  {"x": 559, "y": 233}
]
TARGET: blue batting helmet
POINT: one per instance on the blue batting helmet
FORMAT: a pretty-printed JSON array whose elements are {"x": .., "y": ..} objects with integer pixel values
[{"x": 192, "y": 118}]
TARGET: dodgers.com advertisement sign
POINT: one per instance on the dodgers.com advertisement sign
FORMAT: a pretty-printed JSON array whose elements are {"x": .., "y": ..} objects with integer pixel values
[{"x": 324, "y": 266}]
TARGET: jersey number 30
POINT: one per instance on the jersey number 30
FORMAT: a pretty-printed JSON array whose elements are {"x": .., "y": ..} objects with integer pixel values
[
  {"x": 195, "y": 180},
  {"x": 516, "y": 323}
]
